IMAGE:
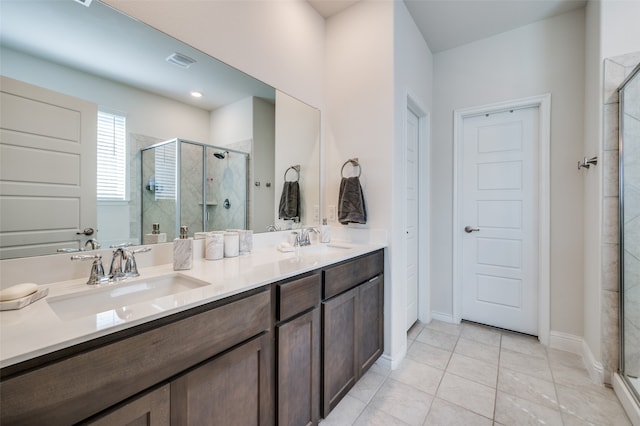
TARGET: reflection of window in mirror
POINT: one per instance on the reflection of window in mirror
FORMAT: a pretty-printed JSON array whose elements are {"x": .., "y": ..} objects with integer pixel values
[
  {"x": 111, "y": 161},
  {"x": 166, "y": 168}
]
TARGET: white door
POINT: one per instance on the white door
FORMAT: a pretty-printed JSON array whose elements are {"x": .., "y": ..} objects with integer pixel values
[
  {"x": 48, "y": 169},
  {"x": 411, "y": 220},
  {"x": 499, "y": 217}
]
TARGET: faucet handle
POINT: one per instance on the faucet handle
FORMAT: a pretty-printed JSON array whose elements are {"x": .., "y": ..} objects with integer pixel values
[
  {"x": 140, "y": 250},
  {"x": 121, "y": 245},
  {"x": 92, "y": 243},
  {"x": 97, "y": 275},
  {"x": 115, "y": 271},
  {"x": 130, "y": 266}
]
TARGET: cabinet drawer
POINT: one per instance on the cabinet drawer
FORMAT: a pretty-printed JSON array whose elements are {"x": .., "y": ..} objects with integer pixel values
[
  {"x": 297, "y": 296},
  {"x": 64, "y": 392},
  {"x": 340, "y": 278}
]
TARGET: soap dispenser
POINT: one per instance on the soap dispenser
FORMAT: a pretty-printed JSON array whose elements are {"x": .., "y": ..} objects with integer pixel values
[
  {"x": 325, "y": 232},
  {"x": 155, "y": 236},
  {"x": 183, "y": 251}
]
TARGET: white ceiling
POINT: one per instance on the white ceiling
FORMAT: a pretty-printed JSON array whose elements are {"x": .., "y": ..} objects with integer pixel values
[
  {"x": 446, "y": 24},
  {"x": 70, "y": 33},
  {"x": 328, "y": 8},
  {"x": 98, "y": 40}
]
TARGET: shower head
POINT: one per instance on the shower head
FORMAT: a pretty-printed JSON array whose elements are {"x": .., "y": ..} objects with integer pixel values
[{"x": 221, "y": 154}]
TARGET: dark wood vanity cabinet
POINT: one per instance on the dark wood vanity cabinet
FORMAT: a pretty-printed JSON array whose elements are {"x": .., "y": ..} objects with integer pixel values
[
  {"x": 150, "y": 409},
  {"x": 281, "y": 354},
  {"x": 232, "y": 389},
  {"x": 298, "y": 351},
  {"x": 104, "y": 378},
  {"x": 352, "y": 319}
]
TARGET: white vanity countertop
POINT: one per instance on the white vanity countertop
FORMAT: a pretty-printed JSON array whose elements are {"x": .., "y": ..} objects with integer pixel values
[{"x": 37, "y": 330}]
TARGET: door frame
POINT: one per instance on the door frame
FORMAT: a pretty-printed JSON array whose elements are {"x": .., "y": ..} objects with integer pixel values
[
  {"x": 543, "y": 102},
  {"x": 424, "y": 124}
]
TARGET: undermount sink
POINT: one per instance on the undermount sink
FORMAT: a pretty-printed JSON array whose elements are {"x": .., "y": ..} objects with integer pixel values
[
  {"x": 118, "y": 296},
  {"x": 325, "y": 248}
]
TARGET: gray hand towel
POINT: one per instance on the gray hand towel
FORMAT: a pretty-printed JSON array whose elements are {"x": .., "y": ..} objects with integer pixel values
[
  {"x": 351, "y": 206},
  {"x": 289, "y": 201}
]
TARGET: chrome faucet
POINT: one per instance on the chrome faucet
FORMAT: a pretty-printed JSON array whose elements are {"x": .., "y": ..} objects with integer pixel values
[
  {"x": 302, "y": 237},
  {"x": 97, "y": 275},
  {"x": 123, "y": 263},
  {"x": 130, "y": 266},
  {"x": 92, "y": 243},
  {"x": 115, "y": 271}
]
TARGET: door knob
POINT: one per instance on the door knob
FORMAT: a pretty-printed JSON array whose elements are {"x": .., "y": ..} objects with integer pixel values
[
  {"x": 468, "y": 229},
  {"x": 86, "y": 231}
]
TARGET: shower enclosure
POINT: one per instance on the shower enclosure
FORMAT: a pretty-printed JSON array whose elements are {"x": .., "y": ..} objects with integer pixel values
[
  {"x": 630, "y": 232},
  {"x": 188, "y": 183}
]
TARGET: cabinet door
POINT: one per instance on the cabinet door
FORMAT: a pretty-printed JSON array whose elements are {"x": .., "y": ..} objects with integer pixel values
[
  {"x": 340, "y": 363},
  {"x": 231, "y": 389},
  {"x": 370, "y": 323},
  {"x": 299, "y": 370},
  {"x": 151, "y": 409}
]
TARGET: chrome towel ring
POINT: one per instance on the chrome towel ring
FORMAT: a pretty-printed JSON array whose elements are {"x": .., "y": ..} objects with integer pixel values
[
  {"x": 355, "y": 163},
  {"x": 296, "y": 168}
]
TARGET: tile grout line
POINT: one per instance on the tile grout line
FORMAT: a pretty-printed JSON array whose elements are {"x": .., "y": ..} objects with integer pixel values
[
  {"x": 555, "y": 387},
  {"x": 435, "y": 394},
  {"x": 495, "y": 397}
]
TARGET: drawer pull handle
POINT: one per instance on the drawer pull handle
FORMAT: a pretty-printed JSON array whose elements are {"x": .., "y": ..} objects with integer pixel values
[{"x": 374, "y": 278}]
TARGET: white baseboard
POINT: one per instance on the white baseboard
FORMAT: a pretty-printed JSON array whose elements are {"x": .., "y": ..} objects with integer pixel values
[
  {"x": 577, "y": 345},
  {"x": 565, "y": 342},
  {"x": 627, "y": 400},
  {"x": 385, "y": 361},
  {"x": 594, "y": 367},
  {"x": 439, "y": 316},
  {"x": 393, "y": 362}
]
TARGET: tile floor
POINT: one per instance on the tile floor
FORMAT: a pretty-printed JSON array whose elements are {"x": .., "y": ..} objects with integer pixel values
[{"x": 469, "y": 375}]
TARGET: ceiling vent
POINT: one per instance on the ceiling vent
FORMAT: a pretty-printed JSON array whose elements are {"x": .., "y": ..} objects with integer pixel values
[
  {"x": 180, "y": 60},
  {"x": 84, "y": 2}
]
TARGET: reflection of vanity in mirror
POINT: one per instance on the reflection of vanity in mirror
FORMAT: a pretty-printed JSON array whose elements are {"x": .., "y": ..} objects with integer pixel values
[{"x": 113, "y": 82}]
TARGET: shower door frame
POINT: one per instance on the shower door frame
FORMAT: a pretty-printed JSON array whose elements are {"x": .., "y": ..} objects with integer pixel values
[
  {"x": 634, "y": 392},
  {"x": 204, "y": 146}
]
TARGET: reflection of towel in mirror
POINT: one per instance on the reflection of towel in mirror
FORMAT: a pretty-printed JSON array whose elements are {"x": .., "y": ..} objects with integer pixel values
[
  {"x": 351, "y": 207},
  {"x": 289, "y": 201}
]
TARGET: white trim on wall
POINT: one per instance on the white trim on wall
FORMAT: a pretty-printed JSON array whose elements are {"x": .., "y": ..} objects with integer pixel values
[
  {"x": 595, "y": 368},
  {"x": 424, "y": 287},
  {"x": 543, "y": 102},
  {"x": 626, "y": 399},
  {"x": 566, "y": 342},
  {"x": 439, "y": 316}
]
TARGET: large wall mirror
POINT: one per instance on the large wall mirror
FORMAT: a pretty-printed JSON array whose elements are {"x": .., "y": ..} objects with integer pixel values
[
  {"x": 86, "y": 90},
  {"x": 630, "y": 231}
]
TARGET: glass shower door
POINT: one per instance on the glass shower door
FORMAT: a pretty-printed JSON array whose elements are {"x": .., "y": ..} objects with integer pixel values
[
  {"x": 630, "y": 231},
  {"x": 159, "y": 188},
  {"x": 226, "y": 189},
  {"x": 191, "y": 186}
]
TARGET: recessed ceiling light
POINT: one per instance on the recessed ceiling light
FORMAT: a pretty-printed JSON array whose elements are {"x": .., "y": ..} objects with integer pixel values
[
  {"x": 85, "y": 2},
  {"x": 196, "y": 94}
]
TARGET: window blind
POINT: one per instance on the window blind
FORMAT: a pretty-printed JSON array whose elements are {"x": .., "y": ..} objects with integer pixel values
[
  {"x": 165, "y": 178},
  {"x": 111, "y": 167}
]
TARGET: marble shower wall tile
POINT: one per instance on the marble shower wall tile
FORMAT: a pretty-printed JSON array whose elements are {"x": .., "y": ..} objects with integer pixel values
[
  {"x": 611, "y": 126},
  {"x": 610, "y": 221},
  {"x": 610, "y": 173},
  {"x": 610, "y": 332},
  {"x": 610, "y": 267},
  {"x": 614, "y": 75}
]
